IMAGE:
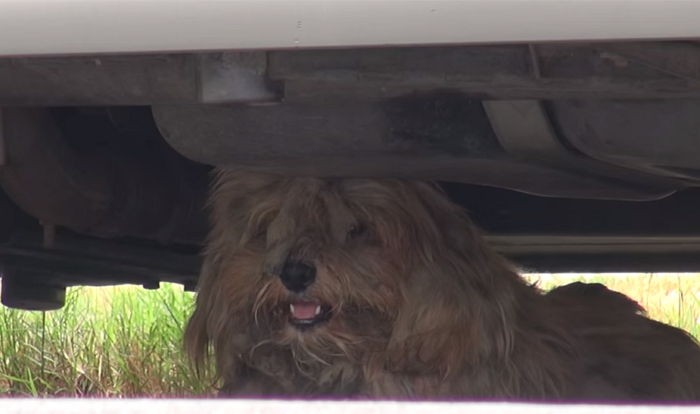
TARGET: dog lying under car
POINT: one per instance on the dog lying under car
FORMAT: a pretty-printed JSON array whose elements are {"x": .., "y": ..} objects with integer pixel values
[{"x": 383, "y": 288}]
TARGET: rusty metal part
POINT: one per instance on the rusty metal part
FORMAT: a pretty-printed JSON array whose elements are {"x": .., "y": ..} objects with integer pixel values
[{"x": 119, "y": 194}]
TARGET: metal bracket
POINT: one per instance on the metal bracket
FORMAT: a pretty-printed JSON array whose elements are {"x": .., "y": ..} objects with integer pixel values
[
  {"x": 236, "y": 77},
  {"x": 522, "y": 127}
]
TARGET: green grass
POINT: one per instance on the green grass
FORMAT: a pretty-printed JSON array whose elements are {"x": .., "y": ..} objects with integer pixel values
[
  {"x": 114, "y": 341},
  {"x": 126, "y": 341}
]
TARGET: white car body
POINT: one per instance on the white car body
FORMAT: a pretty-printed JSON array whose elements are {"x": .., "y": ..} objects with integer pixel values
[{"x": 57, "y": 27}]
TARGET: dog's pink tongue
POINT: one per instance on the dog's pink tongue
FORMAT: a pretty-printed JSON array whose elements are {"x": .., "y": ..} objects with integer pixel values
[{"x": 303, "y": 310}]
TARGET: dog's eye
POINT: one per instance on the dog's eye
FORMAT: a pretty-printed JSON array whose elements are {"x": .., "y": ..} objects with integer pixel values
[
  {"x": 259, "y": 233},
  {"x": 355, "y": 231}
]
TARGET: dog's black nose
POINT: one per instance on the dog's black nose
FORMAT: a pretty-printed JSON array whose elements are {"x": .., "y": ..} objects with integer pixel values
[{"x": 297, "y": 276}]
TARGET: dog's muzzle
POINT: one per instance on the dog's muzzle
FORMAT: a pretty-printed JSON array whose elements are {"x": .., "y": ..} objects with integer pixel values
[{"x": 304, "y": 312}]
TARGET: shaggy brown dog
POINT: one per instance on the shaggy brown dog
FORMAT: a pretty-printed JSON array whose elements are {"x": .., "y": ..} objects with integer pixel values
[{"x": 384, "y": 288}]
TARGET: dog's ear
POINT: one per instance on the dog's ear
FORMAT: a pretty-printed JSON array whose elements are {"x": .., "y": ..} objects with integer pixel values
[
  {"x": 236, "y": 202},
  {"x": 459, "y": 296},
  {"x": 197, "y": 337}
]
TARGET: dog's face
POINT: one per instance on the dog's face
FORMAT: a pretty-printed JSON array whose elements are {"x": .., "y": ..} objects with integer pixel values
[
  {"x": 323, "y": 267},
  {"x": 336, "y": 268},
  {"x": 307, "y": 257}
]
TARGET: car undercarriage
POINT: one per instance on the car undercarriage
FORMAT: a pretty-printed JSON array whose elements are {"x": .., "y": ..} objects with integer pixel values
[{"x": 570, "y": 156}]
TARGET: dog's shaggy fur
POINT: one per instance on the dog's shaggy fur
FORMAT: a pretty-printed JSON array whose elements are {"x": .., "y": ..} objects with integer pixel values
[{"x": 417, "y": 305}]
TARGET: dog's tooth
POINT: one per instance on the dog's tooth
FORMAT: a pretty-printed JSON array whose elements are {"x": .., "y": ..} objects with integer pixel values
[
  {"x": 318, "y": 310},
  {"x": 291, "y": 308}
]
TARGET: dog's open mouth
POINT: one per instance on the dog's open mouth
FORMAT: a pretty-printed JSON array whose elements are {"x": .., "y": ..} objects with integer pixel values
[{"x": 305, "y": 314}]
